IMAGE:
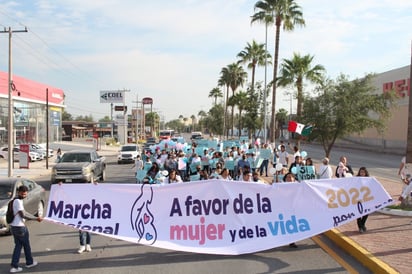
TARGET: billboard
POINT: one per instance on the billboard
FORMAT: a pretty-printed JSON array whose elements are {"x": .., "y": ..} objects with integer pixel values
[{"x": 111, "y": 96}]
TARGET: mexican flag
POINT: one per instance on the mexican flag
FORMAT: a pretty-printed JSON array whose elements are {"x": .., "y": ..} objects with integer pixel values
[
  {"x": 306, "y": 131},
  {"x": 295, "y": 127}
]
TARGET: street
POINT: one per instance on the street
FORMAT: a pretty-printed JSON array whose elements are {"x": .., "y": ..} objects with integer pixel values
[{"x": 55, "y": 248}]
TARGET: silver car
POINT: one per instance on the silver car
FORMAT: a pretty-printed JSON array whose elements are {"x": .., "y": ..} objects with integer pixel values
[{"x": 34, "y": 202}]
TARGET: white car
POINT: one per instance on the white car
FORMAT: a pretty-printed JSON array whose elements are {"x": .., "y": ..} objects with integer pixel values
[
  {"x": 33, "y": 156},
  {"x": 4, "y": 153},
  {"x": 128, "y": 153},
  {"x": 42, "y": 149}
]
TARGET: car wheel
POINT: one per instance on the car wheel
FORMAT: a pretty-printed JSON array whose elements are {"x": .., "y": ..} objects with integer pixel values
[
  {"x": 103, "y": 176},
  {"x": 40, "y": 209}
]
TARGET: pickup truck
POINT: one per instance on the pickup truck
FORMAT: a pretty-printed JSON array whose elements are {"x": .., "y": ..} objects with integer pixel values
[{"x": 79, "y": 166}]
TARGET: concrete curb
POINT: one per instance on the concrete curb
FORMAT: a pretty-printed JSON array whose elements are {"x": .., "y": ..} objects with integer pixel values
[{"x": 358, "y": 252}]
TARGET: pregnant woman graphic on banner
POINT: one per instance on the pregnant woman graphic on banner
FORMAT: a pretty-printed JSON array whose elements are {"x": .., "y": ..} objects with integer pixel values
[{"x": 142, "y": 219}]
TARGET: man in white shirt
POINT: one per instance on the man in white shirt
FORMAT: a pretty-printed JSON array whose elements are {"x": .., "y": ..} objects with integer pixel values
[
  {"x": 20, "y": 232},
  {"x": 283, "y": 156}
]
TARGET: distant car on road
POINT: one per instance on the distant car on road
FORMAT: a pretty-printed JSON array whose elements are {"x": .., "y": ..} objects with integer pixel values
[
  {"x": 34, "y": 203},
  {"x": 196, "y": 135},
  {"x": 79, "y": 166},
  {"x": 128, "y": 153}
]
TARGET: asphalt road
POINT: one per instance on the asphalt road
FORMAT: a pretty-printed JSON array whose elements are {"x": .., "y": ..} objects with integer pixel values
[{"x": 55, "y": 248}]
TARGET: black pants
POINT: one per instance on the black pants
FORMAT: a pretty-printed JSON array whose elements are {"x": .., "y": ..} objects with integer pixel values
[{"x": 361, "y": 221}]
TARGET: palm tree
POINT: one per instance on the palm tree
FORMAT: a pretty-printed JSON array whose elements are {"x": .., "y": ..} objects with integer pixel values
[
  {"x": 233, "y": 76},
  {"x": 297, "y": 69},
  {"x": 281, "y": 118},
  {"x": 277, "y": 12},
  {"x": 215, "y": 93},
  {"x": 254, "y": 55},
  {"x": 193, "y": 119},
  {"x": 241, "y": 100},
  {"x": 224, "y": 80}
]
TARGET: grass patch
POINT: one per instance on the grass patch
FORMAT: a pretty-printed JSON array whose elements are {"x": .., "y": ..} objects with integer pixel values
[{"x": 399, "y": 207}]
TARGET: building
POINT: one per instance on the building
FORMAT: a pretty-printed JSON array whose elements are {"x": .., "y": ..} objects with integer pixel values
[
  {"x": 30, "y": 100},
  {"x": 395, "y": 135}
]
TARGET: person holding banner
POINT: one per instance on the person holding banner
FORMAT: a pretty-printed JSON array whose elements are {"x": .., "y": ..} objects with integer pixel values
[
  {"x": 224, "y": 175},
  {"x": 363, "y": 172},
  {"x": 290, "y": 178},
  {"x": 173, "y": 177}
]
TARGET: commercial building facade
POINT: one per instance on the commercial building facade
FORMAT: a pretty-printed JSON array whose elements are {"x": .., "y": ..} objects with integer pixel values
[
  {"x": 395, "y": 134},
  {"x": 30, "y": 100}
]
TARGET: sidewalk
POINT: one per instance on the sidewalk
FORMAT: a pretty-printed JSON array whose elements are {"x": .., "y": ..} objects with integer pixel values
[
  {"x": 388, "y": 238},
  {"x": 387, "y": 245}
]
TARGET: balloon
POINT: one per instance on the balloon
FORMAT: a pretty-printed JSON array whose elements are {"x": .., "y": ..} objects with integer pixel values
[
  {"x": 294, "y": 170},
  {"x": 303, "y": 154},
  {"x": 272, "y": 170},
  {"x": 279, "y": 166}
]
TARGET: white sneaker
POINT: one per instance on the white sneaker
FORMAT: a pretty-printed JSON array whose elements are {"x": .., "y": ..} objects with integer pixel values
[
  {"x": 15, "y": 270},
  {"x": 32, "y": 265},
  {"x": 88, "y": 248},
  {"x": 82, "y": 248}
]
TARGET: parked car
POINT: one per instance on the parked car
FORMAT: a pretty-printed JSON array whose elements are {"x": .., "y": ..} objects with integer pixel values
[
  {"x": 33, "y": 204},
  {"x": 42, "y": 149},
  {"x": 79, "y": 166},
  {"x": 33, "y": 156},
  {"x": 128, "y": 153},
  {"x": 4, "y": 153},
  {"x": 42, "y": 154}
]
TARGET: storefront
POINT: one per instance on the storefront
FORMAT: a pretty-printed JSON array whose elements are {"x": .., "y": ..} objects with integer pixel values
[
  {"x": 30, "y": 100},
  {"x": 395, "y": 134}
]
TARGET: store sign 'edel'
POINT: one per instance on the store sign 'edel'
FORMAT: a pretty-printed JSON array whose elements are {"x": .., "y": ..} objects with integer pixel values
[{"x": 111, "y": 96}]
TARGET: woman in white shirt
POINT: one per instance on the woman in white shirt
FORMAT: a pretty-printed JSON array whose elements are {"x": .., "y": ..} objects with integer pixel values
[{"x": 325, "y": 170}]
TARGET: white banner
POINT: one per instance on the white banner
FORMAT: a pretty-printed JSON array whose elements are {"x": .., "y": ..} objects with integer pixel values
[{"x": 216, "y": 217}]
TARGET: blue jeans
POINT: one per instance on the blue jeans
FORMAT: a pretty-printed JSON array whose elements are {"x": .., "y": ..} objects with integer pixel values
[
  {"x": 84, "y": 237},
  {"x": 21, "y": 240},
  {"x": 264, "y": 167}
]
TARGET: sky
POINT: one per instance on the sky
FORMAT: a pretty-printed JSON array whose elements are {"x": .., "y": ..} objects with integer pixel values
[{"x": 174, "y": 51}]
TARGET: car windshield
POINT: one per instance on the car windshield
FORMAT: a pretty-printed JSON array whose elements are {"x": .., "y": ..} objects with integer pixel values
[
  {"x": 129, "y": 148},
  {"x": 5, "y": 192},
  {"x": 75, "y": 157}
]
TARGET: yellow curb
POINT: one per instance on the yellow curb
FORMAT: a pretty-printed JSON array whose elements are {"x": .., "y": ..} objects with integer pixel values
[{"x": 358, "y": 252}]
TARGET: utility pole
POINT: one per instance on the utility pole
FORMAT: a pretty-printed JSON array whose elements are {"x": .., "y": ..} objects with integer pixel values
[
  {"x": 137, "y": 116},
  {"x": 10, "y": 105}
]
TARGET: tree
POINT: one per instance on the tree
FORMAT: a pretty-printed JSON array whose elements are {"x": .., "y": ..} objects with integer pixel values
[
  {"x": 213, "y": 122},
  {"x": 344, "y": 107},
  {"x": 193, "y": 119},
  {"x": 66, "y": 116},
  {"x": 277, "y": 12},
  {"x": 215, "y": 93},
  {"x": 240, "y": 100},
  {"x": 237, "y": 79},
  {"x": 152, "y": 119},
  {"x": 105, "y": 119},
  {"x": 254, "y": 55},
  {"x": 281, "y": 118},
  {"x": 295, "y": 71}
]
